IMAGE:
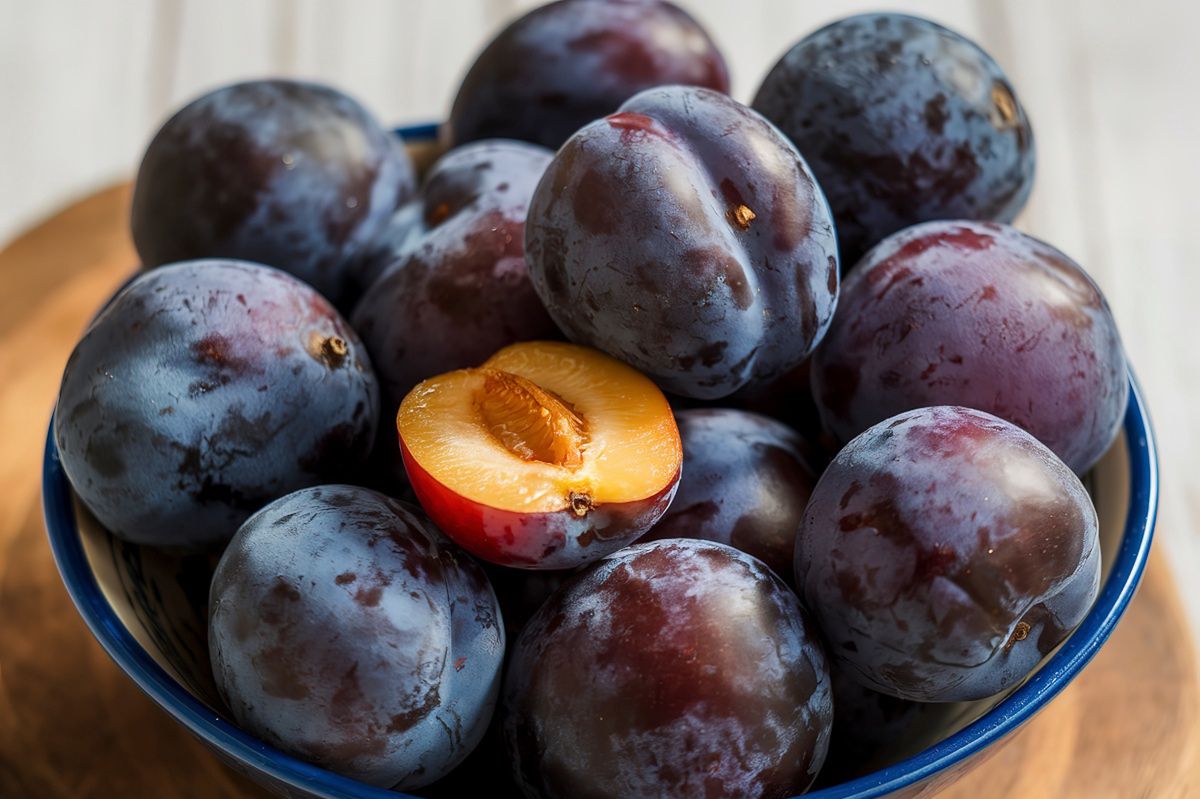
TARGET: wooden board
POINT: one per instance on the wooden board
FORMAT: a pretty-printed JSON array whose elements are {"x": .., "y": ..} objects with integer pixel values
[{"x": 72, "y": 725}]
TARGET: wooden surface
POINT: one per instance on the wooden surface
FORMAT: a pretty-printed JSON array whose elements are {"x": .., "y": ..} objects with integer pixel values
[{"x": 72, "y": 725}]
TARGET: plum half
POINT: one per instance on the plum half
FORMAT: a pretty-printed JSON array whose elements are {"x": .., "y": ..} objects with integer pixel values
[{"x": 548, "y": 456}]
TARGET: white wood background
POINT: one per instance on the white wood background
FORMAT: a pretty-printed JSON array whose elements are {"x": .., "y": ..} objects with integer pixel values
[{"x": 1111, "y": 87}]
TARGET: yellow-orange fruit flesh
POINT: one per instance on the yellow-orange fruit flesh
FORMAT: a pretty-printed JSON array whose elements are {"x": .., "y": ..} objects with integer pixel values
[{"x": 549, "y": 455}]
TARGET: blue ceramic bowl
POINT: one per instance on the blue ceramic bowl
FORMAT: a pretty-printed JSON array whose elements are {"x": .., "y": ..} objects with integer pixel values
[{"x": 147, "y": 609}]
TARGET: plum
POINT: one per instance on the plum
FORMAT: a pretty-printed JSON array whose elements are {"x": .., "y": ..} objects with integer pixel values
[
  {"x": 453, "y": 287},
  {"x": 675, "y": 668},
  {"x": 687, "y": 237},
  {"x": 745, "y": 482},
  {"x": 902, "y": 121},
  {"x": 345, "y": 631},
  {"x": 567, "y": 63},
  {"x": 293, "y": 175},
  {"x": 204, "y": 390},
  {"x": 981, "y": 315},
  {"x": 945, "y": 553}
]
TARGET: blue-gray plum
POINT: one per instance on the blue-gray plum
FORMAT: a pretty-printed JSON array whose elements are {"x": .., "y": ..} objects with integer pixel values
[
  {"x": 293, "y": 175},
  {"x": 204, "y": 390},
  {"x": 902, "y": 121},
  {"x": 567, "y": 63},
  {"x": 945, "y": 553},
  {"x": 687, "y": 237},
  {"x": 981, "y": 315},
  {"x": 674, "y": 668},
  {"x": 345, "y": 630},
  {"x": 745, "y": 482}
]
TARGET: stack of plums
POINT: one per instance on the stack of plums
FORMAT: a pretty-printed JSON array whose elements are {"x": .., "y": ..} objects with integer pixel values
[{"x": 650, "y": 444}]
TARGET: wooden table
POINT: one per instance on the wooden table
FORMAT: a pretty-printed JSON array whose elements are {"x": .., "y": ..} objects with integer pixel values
[{"x": 72, "y": 725}]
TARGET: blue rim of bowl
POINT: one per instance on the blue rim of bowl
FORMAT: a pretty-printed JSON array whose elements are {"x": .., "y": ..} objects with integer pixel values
[{"x": 994, "y": 725}]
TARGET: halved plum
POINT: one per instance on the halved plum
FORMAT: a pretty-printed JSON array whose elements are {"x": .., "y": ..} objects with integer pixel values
[{"x": 548, "y": 456}]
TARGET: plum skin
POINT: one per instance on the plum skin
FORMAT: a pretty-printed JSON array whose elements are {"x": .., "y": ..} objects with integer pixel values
[
  {"x": 453, "y": 287},
  {"x": 945, "y": 553},
  {"x": 294, "y": 175},
  {"x": 688, "y": 221},
  {"x": 567, "y": 63},
  {"x": 204, "y": 390},
  {"x": 345, "y": 631},
  {"x": 552, "y": 540},
  {"x": 902, "y": 121},
  {"x": 745, "y": 483},
  {"x": 633, "y": 680},
  {"x": 981, "y": 315}
]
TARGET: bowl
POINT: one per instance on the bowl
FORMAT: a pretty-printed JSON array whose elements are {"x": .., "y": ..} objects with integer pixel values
[{"x": 147, "y": 608}]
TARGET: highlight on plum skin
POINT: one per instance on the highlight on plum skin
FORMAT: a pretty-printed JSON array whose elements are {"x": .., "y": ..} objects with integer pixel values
[
  {"x": 674, "y": 668},
  {"x": 686, "y": 236},
  {"x": 547, "y": 456},
  {"x": 567, "y": 63},
  {"x": 945, "y": 553},
  {"x": 980, "y": 315},
  {"x": 344, "y": 630}
]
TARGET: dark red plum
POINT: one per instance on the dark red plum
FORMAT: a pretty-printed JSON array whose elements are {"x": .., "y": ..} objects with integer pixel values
[
  {"x": 687, "y": 237},
  {"x": 902, "y": 121},
  {"x": 745, "y": 482},
  {"x": 945, "y": 553},
  {"x": 293, "y": 175},
  {"x": 344, "y": 630},
  {"x": 981, "y": 315},
  {"x": 568, "y": 63},
  {"x": 453, "y": 287},
  {"x": 203, "y": 391},
  {"x": 675, "y": 668}
]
